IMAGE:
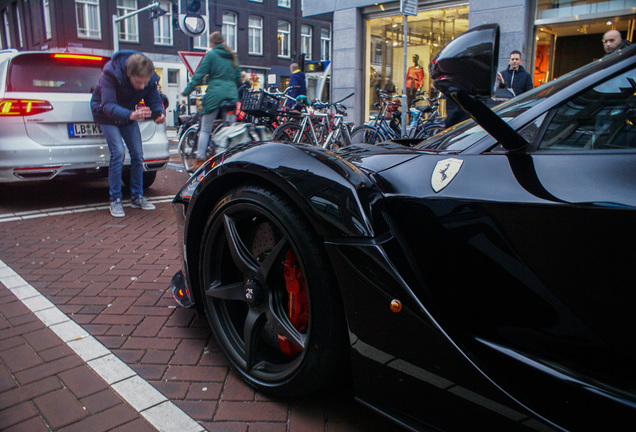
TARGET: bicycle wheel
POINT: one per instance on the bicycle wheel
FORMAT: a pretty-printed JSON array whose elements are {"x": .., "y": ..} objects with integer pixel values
[
  {"x": 366, "y": 134},
  {"x": 188, "y": 146},
  {"x": 429, "y": 131},
  {"x": 287, "y": 132}
]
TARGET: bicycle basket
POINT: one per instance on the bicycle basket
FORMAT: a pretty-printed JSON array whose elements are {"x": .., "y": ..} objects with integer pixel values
[{"x": 259, "y": 104}]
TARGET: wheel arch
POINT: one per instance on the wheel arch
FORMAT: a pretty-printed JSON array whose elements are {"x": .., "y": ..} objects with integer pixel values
[{"x": 239, "y": 172}]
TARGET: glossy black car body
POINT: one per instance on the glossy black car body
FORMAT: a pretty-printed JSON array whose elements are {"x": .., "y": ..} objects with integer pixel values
[{"x": 485, "y": 283}]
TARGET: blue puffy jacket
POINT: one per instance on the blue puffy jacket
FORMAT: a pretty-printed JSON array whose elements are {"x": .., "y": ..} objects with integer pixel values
[{"x": 114, "y": 97}]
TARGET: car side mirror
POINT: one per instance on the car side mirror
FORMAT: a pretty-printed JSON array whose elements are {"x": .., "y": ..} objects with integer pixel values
[{"x": 468, "y": 63}]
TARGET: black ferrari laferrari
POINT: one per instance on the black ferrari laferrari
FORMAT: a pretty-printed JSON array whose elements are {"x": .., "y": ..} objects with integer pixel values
[{"x": 484, "y": 279}]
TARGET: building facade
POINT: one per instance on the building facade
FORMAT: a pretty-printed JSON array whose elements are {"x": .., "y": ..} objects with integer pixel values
[
  {"x": 553, "y": 36},
  {"x": 266, "y": 34}
]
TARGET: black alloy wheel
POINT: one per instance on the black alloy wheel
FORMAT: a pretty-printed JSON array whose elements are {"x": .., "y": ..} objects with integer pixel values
[{"x": 269, "y": 294}]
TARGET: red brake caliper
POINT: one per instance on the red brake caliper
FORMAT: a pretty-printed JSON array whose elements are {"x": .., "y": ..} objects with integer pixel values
[{"x": 298, "y": 307}]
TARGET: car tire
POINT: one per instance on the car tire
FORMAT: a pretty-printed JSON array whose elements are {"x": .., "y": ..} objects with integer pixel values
[
  {"x": 269, "y": 294},
  {"x": 148, "y": 178}
]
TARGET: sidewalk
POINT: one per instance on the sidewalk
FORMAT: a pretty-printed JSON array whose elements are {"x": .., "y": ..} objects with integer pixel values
[
  {"x": 45, "y": 386},
  {"x": 104, "y": 288}
]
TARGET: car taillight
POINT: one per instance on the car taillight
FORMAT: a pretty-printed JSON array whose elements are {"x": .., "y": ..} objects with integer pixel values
[
  {"x": 63, "y": 56},
  {"x": 23, "y": 107}
]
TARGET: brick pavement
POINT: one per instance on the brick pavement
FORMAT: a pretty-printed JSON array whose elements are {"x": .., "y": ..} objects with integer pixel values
[{"x": 111, "y": 276}]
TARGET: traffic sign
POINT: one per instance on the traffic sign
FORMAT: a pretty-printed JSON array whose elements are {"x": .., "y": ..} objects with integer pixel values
[
  {"x": 408, "y": 7},
  {"x": 191, "y": 59}
]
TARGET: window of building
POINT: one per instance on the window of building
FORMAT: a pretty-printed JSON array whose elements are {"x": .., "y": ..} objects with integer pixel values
[
  {"x": 284, "y": 39},
  {"x": 87, "y": 15},
  {"x": 163, "y": 25},
  {"x": 203, "y": 41},
  {"x": 7, "y": 28},
  {"x": 173, "y": 77},
  {"x": 128, "y": 28},
  {"x": 257, "y": 1},
  {"x": 284, "y": 3},
  {"x": 46, "y": 13},
  {"x": 325, "y": 44},
  {"x": 255, "y": 35},
  {"x": 229, "y": 29},
  {"x": 428, "y": 33},
  {"x": 305, "y": 41},
  {"x": 18, "y": 20}
]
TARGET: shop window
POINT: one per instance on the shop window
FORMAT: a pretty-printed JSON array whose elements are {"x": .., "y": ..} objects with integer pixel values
[{"x": 427, "y": 34}]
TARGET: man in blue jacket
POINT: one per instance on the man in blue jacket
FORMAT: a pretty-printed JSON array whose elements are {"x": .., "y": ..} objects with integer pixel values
[
  {"x": 126, "y": 80},
  {"x": 515, "y": 76},
  {"x": 297, "y": 79}
]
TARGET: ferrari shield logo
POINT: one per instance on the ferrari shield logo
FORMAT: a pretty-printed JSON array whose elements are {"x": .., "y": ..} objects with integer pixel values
[{"x": 444, "y": 172}]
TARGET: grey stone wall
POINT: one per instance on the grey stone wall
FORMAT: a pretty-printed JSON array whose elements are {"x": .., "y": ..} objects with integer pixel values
[
  {"x": 347, "y": 61},
  {"x": 515, "y": 19}
]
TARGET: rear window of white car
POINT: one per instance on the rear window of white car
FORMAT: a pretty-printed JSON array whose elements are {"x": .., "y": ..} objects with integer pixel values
[{"x": 54, "y": 73}]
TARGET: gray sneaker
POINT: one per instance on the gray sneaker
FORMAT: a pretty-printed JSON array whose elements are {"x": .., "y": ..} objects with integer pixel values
[
  {"x": 142, "y": 203},
  {"x": 116, "y": 208}
]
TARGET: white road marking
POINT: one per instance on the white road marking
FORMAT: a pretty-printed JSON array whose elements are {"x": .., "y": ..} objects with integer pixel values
[
  {"x": 158, "y": 410},
  {"x": 33, "y": 214}
]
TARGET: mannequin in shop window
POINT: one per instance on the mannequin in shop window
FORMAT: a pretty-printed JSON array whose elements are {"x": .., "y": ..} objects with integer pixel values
[{"x": 414, "y": 79}]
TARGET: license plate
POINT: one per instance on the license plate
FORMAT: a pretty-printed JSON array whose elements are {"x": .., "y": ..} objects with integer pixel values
[{"x": 82, "y": 130}]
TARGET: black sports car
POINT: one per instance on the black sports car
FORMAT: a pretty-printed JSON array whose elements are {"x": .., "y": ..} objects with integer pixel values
[{"x": 486, "y": 276}]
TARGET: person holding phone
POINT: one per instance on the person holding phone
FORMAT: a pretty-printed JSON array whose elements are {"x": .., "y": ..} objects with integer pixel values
[{"x": 126, "y": 93}]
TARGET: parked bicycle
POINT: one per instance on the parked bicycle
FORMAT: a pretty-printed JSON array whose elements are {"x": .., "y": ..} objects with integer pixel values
[
  {"x": 190, "y": 138},
  {"x": 265, "y": 108},
  {"x": 263, "y": 114},
  {"x": 387, "y": 123},
  {"x": 426, "y": 120},
  {"x": 324, "y": 126}
]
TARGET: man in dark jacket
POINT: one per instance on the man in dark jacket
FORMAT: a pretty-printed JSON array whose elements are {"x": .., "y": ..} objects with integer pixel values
[
  {"x": 297, "y": 79},
  {"x": 515, "y": 76},
  {"x": 613, "y": 41},
  {"x": 127, "y": 79}
]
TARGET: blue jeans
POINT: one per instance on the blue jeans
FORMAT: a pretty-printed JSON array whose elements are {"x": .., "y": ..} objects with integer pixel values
[{"x": 116, "y": 136}]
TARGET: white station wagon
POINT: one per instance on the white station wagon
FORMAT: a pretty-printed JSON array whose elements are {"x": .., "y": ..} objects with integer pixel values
[{"x": 46, "y": 125}]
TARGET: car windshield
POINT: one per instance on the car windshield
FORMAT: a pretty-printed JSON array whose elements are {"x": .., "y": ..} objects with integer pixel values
[
  {"x": 54, "y": 73},
  {"x": 462, "y": 136}
]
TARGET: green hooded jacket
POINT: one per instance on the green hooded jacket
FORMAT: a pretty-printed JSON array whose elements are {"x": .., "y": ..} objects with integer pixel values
[{"x": 223, "y": 79}]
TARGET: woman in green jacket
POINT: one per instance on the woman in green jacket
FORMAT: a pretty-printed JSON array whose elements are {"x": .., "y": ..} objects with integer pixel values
[{"x": 224, "y": 76}]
